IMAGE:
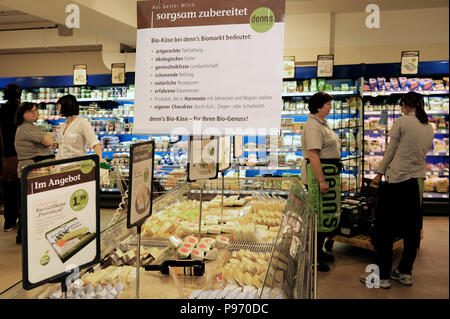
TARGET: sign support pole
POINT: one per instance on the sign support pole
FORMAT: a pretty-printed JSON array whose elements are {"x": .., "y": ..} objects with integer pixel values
[{"x": 138, "y": 259}]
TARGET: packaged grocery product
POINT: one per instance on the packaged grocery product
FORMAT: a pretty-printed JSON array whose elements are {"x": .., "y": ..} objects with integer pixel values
[
  {"x": 321, "y": 85},
  {"x": 373, "y": 84},
  {"x": 395, "y": 84},
  {"x": 197, "y": 254},
  {"x": 191, "y": 239},
  {"x": 438, "y": 85},
  {"x": 413, "y": 84},
  {"x": 328, "y": 87},
  {"x": 445, "y": 79},
  {"x": 438, "y": 145},
  {"x": 403, "y": 81},
  {"x": 388, "y": 86},
  {"x": 305, "y": 86},
  {"x": 313, "y": 85},
  {"x": 284, "y": 86},
  {"x": 381, "y": 84},
  {"x": 291, "y": 86},
  {"x": 426, "y": 84},
  {"x": 345, "y": 87}
]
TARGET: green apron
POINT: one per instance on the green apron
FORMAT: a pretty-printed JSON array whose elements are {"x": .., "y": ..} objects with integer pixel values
[{"x": 326, "y": 206}]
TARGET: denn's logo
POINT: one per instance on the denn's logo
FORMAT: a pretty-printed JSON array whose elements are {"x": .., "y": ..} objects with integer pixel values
[{"x": 262, "y": 20}]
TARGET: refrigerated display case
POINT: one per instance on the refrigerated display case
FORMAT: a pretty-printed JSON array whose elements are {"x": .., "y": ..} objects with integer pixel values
[{"x": 266, "y": 263}]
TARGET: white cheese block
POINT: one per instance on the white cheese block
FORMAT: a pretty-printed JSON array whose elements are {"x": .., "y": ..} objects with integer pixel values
[
  {"x": 183, "y": 253},
  {"x": 203, "y": 246},
  {"x": 210, "y": 241},
  {"x": 197, "y": 254},
  {"x": 191, "y": 239},
  {"x": 222, "y": 241}
]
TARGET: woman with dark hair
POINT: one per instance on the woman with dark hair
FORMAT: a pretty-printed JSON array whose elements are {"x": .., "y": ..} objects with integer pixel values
[
  {"x": 9, "y": 179},
  {"x": 321, "y": 172},
  {"x": 76, "y": 134},
  {"x": 31, "y": 142},
  {"x": 399, "y": 212}
]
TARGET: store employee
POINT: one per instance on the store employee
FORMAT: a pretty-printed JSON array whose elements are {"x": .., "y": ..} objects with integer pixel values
[
  {"x": 321, "y": 171},
  {"x": 76, "y": 134}
]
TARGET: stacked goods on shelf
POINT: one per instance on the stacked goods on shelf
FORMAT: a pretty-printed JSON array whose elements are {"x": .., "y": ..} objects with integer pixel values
[
  {"x": 174, "y": 178},
  {"x": 246, "y": 268},
  {"x": 404, "y": 84},
  {"x": 53, "y": 94},
  {"x": 243, "y": 220},
  {"x": 436, "y": 184},
  {"x": 436, "y": 104},
  {"x": 111, "y": 277},
  {"x": 316, "y": 85}
]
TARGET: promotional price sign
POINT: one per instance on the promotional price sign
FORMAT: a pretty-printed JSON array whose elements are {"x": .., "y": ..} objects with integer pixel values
[
  {"x": 80, "y": 74},
  {"x": 209, "y": 67},
  {"x": 118, "y": 73},
  {"x": 410, "y": 62},
  {"x": 325, "y": 65},
  {"x": 288, "y": 67},
  {"x": 224, "y": 153},
  {"x": 140, "y": 191},
  {"x": 203, "y": 155},
  {"x": 61, "y": 219}
]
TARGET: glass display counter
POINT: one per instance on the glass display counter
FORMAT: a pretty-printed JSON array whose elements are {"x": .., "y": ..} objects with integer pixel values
[{"x": 253, "y": 246}]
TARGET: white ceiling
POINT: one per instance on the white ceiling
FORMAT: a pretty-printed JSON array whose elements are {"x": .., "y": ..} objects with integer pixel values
[{"x": 343, "y": 6}]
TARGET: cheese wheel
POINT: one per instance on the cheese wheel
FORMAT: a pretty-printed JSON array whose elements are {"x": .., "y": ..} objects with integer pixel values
[
  {"x": 210, "y": 241},
  {"x": 214, "y": 229},
  {"x": 197, "y": 254},
  {"x": 184, "y": 253},
  {"x": 191, "y": 239},
  {"x": 203, "y": 246},
  {"x": 227, "y": 228},
  {"x": 222, "y": 241},
  {"x": 187, "y": 245}
]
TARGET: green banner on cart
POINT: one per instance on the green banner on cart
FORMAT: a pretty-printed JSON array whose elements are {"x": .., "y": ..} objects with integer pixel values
[{"x": 327, "y": 206}]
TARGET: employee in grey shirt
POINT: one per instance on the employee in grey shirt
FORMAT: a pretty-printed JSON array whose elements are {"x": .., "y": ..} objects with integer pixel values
[
  {"x": 399, "y": 213},
  {"x": 321, "y": 172},
  {"x": 32, "y": 143}
]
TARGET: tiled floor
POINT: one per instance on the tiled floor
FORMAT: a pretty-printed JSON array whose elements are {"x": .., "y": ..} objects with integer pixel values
[{"x": 431, "y": 270}]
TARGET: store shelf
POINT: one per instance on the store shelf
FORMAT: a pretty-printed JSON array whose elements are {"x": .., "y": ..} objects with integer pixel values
[
  {"x": 114, "y": 133},
  {"x": 437, "y": 154},
  {"x": 378, "y": 153},
  {"x": 99, "y": 116},
  {"x": 335, "y": 112},
  {"x": 435, "y": 195},
  {"x": 429, "y": 173},
  {"x": 273, "y": 150},
  {"x": 243, "y": 192},
  {"x": 271, "y": 168},
  {"x": 375, "y": 132},
  {"x": 295, "y": 94},
  {"x": 437, "y": 173},
  {"x": 437, "y": 112},
  {"x": 157, "y": 150},
  {"x": 110, "y": 190},
  {"x": 429, "y": 112},
  {"x": 347, "y": 129},
  {"x": 387, "y": 93}
]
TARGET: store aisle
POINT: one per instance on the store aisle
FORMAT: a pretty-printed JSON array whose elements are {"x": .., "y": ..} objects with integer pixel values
[{"x": 431, "y": 273}]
